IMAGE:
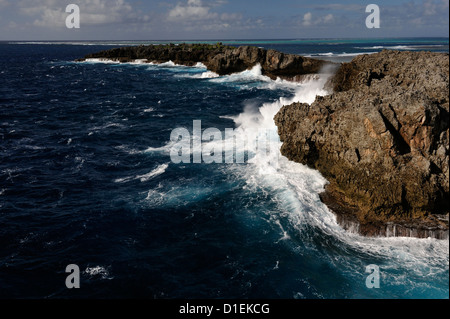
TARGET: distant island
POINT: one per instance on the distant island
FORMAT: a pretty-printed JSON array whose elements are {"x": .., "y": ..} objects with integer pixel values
[{"x": 381, "y": 137}]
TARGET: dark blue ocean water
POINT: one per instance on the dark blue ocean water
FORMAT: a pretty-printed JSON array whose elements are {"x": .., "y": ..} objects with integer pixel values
[{"x": 86, "y": 178}]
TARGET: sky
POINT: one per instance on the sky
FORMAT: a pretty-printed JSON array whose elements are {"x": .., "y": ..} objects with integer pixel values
[{"x": 28, "y": 20}]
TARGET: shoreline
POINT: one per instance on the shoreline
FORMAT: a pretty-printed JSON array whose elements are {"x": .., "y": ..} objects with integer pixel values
[
  {"x": 218, "y": 58},
  {"x": 393, "y": 215}
]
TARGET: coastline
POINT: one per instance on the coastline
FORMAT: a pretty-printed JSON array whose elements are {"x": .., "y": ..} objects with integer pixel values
[
  {"x": 87, "y": 175},
  {"x": 394, "y": 218},
  {"x": 218, "y": 58}
]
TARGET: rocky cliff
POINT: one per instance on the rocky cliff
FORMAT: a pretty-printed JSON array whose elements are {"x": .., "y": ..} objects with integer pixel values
[
  {"x": 382, "y": 140},
  {"x": 218, "y": 58}
]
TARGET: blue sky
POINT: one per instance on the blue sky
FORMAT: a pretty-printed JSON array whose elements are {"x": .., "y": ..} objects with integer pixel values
[{"x": 220, "y": 19}]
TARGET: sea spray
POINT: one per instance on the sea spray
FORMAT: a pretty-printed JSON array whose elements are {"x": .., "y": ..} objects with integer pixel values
[{"x": 295, "y": 187}]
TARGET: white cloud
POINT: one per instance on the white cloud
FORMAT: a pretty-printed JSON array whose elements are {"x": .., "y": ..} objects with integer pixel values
[
  {"x": 230, "y": 16},
  {"x": 429, "y": 8},
  {"x": 217, "y": 18},
  {"x": 196, "y": 15},
  {"x": 426, "y": 14},
  {"x": 192, "y": 10},
  {"x": 340, "y": 7},
  {"x": 51, "y": 13},
  {"x": 328, "y": 18},
  {"x": 404, "y": 17},
  {"x": 12, "y": 25},
  {"x": 50, "y": 18},
  {"x": 307, "y": 19}
]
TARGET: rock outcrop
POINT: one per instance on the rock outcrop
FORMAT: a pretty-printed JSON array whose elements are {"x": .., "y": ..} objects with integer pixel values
[
  {"x": 218, "y": 58},
  {"x": 382, "y": 140}
]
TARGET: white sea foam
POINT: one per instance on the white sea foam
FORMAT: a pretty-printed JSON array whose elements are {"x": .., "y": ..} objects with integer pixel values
[
  {"x": 325, "y": 54},
  {"x": 402, "y": 47},
  {"x": 100, "y": 60},
  {"x": 168, "y": 64},
  {"x": 354, "y": 54},
  {"x": 204, "y": 75},
  {"x": 295, "y": 188},
  {"x": 127, "y": 149},
  {"x": 106, "y": 126},
  {"x": 165, "y": 149},
  {"x": 160, "y": 169},
  {"x": 254, "y": 74},
  {"x": 139, "y": 62},
  {"x": 98, "y": 271},
  {"x": 197, "y": 71},
  {"x": 344, "y": 54},
  {"x": 200, "y": 65},
  {"x": 369, "y": 48},
  {"x": 175, "y": 196}
]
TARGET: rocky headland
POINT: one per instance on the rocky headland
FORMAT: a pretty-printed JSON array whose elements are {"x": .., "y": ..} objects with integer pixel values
[
  {"x": 381, "y": 138},
  {"x": 218, "y": 58}
]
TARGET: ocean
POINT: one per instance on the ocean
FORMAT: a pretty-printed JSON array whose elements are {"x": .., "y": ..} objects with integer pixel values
[{"x": 87, "y": 177}]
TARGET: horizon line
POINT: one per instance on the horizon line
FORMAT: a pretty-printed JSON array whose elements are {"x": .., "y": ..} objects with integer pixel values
[{"x": 231, "y": 40}]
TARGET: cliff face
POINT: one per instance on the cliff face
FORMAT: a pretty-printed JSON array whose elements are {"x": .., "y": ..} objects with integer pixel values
[
  {"x": 382, "y": 140},
  {"x": 218, "y": 58},
  {"x": 273, "y": 63}
]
